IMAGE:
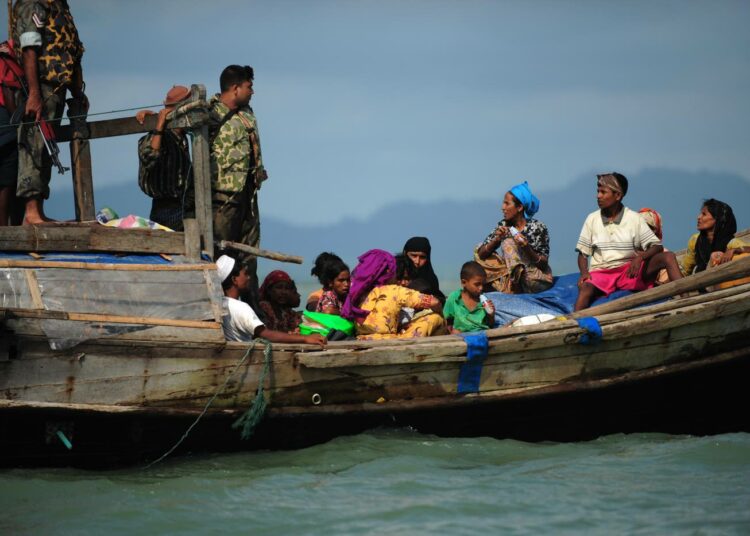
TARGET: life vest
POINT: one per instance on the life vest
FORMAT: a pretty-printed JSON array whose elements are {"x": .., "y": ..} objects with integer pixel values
[{"x": 11, "y": 73}]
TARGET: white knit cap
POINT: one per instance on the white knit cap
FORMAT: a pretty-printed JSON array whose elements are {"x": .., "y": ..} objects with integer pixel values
[{"x": 224, "y": 266}]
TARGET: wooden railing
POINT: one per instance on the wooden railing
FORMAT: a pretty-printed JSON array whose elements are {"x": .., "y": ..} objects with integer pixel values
[{"x": 193, "y": 116}]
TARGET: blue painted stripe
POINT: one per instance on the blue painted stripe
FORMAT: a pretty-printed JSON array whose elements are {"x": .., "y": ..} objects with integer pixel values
[{"x": 470, "y": 373}]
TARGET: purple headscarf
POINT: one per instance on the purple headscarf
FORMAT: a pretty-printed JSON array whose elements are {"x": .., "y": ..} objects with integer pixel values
[{"x": 376, "y": 267}]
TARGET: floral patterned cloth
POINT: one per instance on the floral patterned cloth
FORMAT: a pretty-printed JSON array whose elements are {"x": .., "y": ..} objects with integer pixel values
[
  {"x": 286, "y": 320},
  {"x": 535, "y": 232},
  {"x": 384, "y": 304},
  {"x": 509, "y": 270},
  {"x": 327, "y": 300}
]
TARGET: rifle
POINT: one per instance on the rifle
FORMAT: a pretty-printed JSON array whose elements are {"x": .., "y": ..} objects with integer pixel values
[{"x": 50, "y": 143}]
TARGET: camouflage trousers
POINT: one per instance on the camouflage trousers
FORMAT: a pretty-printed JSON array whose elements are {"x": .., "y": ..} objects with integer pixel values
[
  {"x": 34, "y": 164},
  {"x": 236, "y": 219}
]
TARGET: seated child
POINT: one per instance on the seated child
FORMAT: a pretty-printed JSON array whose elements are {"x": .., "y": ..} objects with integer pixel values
[
  {"x": 654, "y": 222},
  {"x": 625, "y": 253},
  {"x": 406, "y": 272},
  {"x": 333, "y": 274},
  {"x": 278, "y": 298},
  {"x": 463, "y": 309},
  {"x": 323, "y": 259}
]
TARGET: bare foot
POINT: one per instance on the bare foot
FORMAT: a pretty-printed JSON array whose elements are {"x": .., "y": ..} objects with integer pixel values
[
  {"x": 44, "y": 220},
  {"x": 34, "y": 213}
]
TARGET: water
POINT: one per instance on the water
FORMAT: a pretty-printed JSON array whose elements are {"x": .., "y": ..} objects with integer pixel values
[{"x": 399, "y": 481}]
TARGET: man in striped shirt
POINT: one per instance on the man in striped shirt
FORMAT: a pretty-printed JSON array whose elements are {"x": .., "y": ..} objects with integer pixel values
[
  {"x": 625, "y": 253},
  {"x": 164, "y": 171}
]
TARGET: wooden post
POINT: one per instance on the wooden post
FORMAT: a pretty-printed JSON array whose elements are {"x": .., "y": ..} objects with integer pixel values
[
  {"x": 202, "y": 177},
  {"x": 80, "y": 161},
  {"x": 192, "y": 239}
]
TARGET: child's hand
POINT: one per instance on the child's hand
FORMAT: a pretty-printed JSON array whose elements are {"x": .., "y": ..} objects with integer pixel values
[{"x": 489, "y": 308}]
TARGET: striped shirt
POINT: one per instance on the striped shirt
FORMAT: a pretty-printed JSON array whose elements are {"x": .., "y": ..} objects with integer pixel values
[
  {"x": 613, "y": 243},
  {"x": 164, "y": 174}
]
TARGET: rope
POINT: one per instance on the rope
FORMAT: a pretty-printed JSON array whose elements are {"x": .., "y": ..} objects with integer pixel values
[
  {"x": 266, "y": 354},
  {"x": 257, "y": 409}
]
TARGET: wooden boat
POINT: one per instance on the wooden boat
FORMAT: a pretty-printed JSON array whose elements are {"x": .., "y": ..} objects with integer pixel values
[{"x": 84, "y": 380}]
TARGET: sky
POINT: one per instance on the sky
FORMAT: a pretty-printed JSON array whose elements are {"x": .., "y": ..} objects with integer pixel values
[{"x": 365, "y": 103}]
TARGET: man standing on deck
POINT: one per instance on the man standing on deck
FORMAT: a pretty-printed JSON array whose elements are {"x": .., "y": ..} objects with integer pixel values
[
  {"x": 50, "y": 53},
  {"x": 237, "y": 170}
]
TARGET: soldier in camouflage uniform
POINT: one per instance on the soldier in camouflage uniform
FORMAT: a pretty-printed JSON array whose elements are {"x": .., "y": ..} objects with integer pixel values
[
  {"x": 50, "y": 52},
  {"x": 237, "y": 170}
]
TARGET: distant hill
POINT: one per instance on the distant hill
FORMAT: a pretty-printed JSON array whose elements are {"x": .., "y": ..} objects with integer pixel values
[{"x": 454, "y": 227}]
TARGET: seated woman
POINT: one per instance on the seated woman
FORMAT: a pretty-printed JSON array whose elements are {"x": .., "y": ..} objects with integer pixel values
[
  {"x": 515, "y": 255},
  {"x": 419, "y": 250},
  {"x": 278, "y": 298},
  {"x": 375, "y": 300},
  {"x": 333, "y": 274},
  {"x": 714, "y": 243}
]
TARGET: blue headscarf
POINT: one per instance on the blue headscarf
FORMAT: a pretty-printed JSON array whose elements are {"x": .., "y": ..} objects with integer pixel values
[{"x": 530, "y": 202}]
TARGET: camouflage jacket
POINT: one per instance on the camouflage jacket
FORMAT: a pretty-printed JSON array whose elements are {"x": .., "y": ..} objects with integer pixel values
[
  {"x": 235, "y": 149},
  {"x": 48, "y": 24}
]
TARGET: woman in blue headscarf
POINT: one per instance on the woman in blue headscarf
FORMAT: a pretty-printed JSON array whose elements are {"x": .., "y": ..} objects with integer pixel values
[{"x": 515, "y": 254}]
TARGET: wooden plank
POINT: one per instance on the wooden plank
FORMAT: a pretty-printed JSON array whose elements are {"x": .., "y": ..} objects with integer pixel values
[
  {"x": 266, "y": 254},
  {"x": 726, "y": 272},
  {"x": 213, "y": 291},
  {"x": 105, "y": 238},
  {"x": 189, "y": 116},
  {"x": 454, "y": 400},
  {"x": 80, "y": 161},
  {"x": 91, "y": 237},
  {"x": 151, "y": 336},
  {"x": 454, "y": 352},
  {"x": 192, "y": 239},
  {"x": 83, "y": 185},
  {"x": 111, "y": 319},
  {"x": 36, "y": 294},
  {"x": 11, "y": 263},
  {"x": 202, "y": 182},
  {"x": 122, "y": 126}
]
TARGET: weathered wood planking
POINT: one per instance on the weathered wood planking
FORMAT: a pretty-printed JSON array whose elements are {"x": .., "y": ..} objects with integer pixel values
[
  {"x": 92, "y": 237},
  {"x": 175, "y": 376}
]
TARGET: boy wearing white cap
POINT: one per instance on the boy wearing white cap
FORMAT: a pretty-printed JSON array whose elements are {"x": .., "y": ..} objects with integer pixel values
[{"x": 242, "y": 324}]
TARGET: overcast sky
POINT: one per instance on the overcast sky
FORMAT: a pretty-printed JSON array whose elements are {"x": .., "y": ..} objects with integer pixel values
[{"x": 364, "y": 103}]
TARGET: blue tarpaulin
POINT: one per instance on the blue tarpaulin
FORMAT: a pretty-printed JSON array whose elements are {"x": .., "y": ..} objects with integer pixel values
[
  {"x": 102, "y": 258},
  {"x": 558, "y": 300}
]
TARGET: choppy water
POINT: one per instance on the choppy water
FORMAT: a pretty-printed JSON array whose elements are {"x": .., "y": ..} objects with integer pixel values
[{"x": 398, "y": 481}]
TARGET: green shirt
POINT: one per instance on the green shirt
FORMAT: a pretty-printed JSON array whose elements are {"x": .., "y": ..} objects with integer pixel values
[{"x": 463, "y": 319}]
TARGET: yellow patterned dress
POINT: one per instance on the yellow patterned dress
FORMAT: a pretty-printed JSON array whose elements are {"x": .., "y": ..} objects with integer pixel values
[{"x": 385, "y": 302}]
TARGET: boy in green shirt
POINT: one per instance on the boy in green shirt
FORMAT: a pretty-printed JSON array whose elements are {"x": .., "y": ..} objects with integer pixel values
[{"x": 464, "y": 310}]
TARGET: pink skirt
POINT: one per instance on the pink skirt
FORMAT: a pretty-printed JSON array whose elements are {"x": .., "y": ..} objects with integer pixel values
[{"x": 612, "y": 279}]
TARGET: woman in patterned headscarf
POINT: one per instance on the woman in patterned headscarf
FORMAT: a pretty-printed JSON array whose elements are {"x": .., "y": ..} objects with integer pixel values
[
  {"x": 278, "y": 300},
  {"x": 515, "y": 255}
]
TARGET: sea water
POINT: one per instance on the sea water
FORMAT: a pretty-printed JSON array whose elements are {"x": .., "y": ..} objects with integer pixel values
[{"x": 403, "y": 482}]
